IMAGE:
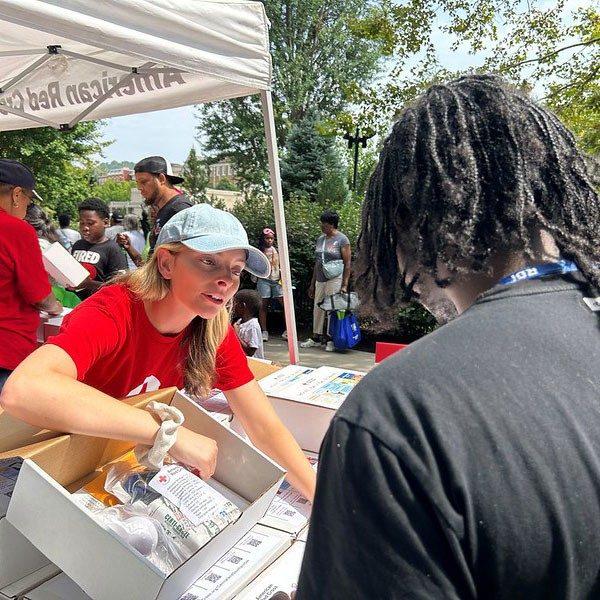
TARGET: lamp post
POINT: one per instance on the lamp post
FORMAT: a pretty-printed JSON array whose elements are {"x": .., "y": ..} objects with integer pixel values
[{"x": 355, "y": 141}]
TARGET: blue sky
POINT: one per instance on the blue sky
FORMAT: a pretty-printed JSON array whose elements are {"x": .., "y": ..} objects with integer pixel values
[{"x": 169, "y": 133}]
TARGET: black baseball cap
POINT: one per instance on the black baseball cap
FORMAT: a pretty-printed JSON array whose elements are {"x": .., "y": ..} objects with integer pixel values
[
  {"x": 15, "y": 173},
  {"x": 157, "y": 164},
  {"x": 117, "y": 217}
]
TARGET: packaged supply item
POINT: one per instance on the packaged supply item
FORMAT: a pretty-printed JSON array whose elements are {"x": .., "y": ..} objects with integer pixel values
[{"x": 167, "y": 514}]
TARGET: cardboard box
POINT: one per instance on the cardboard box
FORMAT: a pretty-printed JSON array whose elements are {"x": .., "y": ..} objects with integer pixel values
[
  {"x": 60, "y": 265},
  {"x": 32, "y": 581},
  {"x": 226, "y": 578},
  {"x": 306, "y": 399},
  {"x": 240, "y": 565},
  {"x": 281, "y": 576},
  {"x": 261, "y": 368},
  {"x": 59, "y": 587},
  {"x": 96, "y": 559},
  {"x": 290, "y": 510},
  {"x": 50, "y": 325},
  {"x": 22, "y": 566},
  {"x": 303, "y": 535}
]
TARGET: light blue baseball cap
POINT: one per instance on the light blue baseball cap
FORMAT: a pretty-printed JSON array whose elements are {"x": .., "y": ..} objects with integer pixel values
[{"x": 207, "y": 229}]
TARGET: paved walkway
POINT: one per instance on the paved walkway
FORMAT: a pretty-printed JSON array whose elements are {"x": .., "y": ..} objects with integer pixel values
[{"x": 276, "y": 350}]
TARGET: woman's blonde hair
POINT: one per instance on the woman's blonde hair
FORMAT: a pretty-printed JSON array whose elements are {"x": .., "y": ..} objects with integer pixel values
[{"x": 203, "y": 336}]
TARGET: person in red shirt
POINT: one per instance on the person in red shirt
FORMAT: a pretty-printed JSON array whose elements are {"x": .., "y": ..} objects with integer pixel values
[
  {"x": 164, "y": 324},
  {"x": 24, "y": 285}
]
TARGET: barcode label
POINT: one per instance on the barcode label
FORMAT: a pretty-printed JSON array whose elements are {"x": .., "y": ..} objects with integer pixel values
[
  {"x": 236, "y": 560},
  {"x": 213, "y": 577},
  {"x": 254, "y": 542}
]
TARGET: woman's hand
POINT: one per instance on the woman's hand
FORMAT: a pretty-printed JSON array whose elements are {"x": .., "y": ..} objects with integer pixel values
[
  {"x": 311, "y": 291},
  {"x": 196, "y": 451}
]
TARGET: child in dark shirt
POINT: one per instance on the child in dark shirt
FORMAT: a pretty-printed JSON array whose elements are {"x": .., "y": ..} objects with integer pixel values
[
  {"x": 102, "y": 257},
  {"x": 246, "y": 307}
]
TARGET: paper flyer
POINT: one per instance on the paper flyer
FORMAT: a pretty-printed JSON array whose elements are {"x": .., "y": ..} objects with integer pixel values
[
  {"x": 286, "y": 378},
  {"x": 325, "y": 386}
]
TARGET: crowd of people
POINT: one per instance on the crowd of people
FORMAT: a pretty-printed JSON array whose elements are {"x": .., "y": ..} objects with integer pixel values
[{"x": 466, "y": 466}]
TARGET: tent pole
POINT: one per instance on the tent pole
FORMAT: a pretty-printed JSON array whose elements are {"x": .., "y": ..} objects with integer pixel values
[
  {"x": 22, "y": 113},
  {"x": 124, "y": 80},
  {"x": 32, "y": 67},
  {"x": 282, "y": 245}
]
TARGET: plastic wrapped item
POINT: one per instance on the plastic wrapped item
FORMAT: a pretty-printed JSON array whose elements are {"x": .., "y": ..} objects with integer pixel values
[
  {"x": 143, "y": 533},
  {"x": 187, "y": 511}
]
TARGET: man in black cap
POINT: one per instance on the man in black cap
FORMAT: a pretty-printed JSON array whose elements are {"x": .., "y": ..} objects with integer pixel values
[
  {"x": 155, "y": 180},
  {"x": 24, "y": 285}
]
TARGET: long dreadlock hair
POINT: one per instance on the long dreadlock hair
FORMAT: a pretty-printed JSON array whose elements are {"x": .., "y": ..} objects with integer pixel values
[{"x": 474, "y": 168}]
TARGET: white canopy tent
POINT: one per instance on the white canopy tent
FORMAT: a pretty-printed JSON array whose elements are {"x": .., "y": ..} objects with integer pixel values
[{"x": 66, "y": 61}]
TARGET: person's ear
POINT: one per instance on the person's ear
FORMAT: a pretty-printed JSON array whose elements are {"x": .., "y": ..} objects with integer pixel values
[
  {"x": 106, "y": 222},
  {"x": 165, "y": 261},
  {"x": 14, "y": 195}
]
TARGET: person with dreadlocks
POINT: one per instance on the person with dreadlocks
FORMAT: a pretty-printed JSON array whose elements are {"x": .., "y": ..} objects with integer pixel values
[{"x": 468, "y": 465}]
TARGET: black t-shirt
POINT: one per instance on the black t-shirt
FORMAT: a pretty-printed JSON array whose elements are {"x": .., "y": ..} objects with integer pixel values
[
  {"x": 172, "y": 207},
  {"x": 468, "y": 465},
  {"x": 103, "y": 260}
]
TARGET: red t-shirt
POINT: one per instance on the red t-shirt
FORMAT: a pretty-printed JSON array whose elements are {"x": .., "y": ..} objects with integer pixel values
[
  {"x": 23, "y": 282},
  {"x": 119, "y": 352}
]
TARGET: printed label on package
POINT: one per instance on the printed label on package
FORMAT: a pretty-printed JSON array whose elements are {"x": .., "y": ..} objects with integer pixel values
[{"x": 192, "y": 496}]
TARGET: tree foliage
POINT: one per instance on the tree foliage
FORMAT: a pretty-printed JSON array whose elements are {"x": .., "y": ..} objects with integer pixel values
[
  {"x": 552, "y": 48},
  {"x": 195, "y": 177},
  {"x": 311, "y": 166},
  {"x": 104, "y": 167},
  {"x": 61, "y": 161},
  {"x": 113, "y": 191},
  {"x": 318, "y": 61}
]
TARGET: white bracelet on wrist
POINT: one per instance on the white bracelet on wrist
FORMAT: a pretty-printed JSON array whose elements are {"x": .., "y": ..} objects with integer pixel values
[{"x": 171, "y": 419}]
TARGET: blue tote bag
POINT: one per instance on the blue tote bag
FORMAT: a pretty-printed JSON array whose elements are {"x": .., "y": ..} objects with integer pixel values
[{"x": 344, "y": 329}]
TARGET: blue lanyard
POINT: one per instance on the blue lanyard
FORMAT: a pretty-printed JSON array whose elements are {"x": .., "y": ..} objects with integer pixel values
[{"x": 537, "y": 271}]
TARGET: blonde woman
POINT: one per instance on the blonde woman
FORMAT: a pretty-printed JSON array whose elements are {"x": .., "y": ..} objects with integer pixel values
[{"x": 165, "y": 324}]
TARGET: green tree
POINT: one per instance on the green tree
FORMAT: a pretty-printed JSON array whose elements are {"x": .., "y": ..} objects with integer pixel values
[
  {"x": 318, "y": 60},
  {"x": 560, "y": 50},
  {"x": 311, "y": 166},
  {"x": 304, "y": 163},
  {"x": 113, "y": 191},
  {"x": 195, "y": 177},
  {"x": 226, "y": 184},
  {"x": 104, "y": 167},
  {"x": 552, "y": 48},
  {"x": 62, "y": 161}
]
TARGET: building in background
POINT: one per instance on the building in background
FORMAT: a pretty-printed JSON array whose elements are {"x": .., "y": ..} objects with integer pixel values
[
  {"x": 122, "y": 174},
  {"x": 219, "y": 171},
  {"x": 127, "y": 174}
]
